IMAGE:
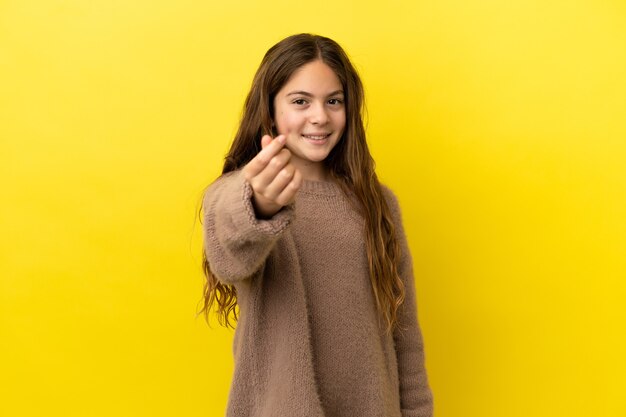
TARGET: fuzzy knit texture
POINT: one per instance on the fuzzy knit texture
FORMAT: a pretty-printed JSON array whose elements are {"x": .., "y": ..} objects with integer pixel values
[{"x": 309, "y": 341}]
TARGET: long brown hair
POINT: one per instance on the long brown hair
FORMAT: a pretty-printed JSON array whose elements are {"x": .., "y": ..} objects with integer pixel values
[{"x": 349, "y": 164}]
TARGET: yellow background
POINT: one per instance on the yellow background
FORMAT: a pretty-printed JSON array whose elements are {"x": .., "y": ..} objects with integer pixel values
[{"x": 500, "y": 125}]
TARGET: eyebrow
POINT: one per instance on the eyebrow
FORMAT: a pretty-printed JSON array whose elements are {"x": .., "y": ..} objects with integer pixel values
[{"x": 305, "y": 93}]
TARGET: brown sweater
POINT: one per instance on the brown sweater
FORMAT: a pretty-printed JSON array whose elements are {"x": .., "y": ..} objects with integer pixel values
[{"x": 309, "y": 341}]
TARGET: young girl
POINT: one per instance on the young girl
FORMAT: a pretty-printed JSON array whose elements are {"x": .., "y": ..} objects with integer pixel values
[{"x": 302, "y": 237}]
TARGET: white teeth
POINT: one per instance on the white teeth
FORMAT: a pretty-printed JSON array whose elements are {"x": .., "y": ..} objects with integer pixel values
[{"x": 316, "y": 137}]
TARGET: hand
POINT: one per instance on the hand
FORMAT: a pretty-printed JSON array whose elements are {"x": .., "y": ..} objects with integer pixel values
[{"x": 274, "y": 180}]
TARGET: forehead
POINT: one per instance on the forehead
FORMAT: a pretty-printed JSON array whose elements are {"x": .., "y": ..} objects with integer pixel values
[{"x": 314, "y": 77}]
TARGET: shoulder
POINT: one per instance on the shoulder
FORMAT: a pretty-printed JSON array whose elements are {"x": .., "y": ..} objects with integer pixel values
[
  {"x": 228, "y": 184},
  {"x": 391, "y": 199},
  {"x": 229, "y": 179},
  {"x": 396, "y": 216},
  {"x": 393, "y": 204}
]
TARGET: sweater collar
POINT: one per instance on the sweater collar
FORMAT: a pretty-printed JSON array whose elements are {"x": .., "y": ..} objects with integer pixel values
[{"x": 320, "y": 187}]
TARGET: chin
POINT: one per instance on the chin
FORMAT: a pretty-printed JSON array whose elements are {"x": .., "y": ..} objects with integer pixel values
[{"x": 312, "y": 157}]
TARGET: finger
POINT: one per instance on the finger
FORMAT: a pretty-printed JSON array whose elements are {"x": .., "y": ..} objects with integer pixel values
[
  {"x": 279, "y": 182},
  {"x": 265, "y": 140},
  {"x": 272, "y": 148},
  {"x": 260, "y": 161},
  {"x": 288, "y": 195},
  {"x": 264, "y": 178}
]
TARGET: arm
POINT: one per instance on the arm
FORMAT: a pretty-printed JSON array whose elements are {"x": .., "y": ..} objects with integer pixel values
[
  {"x": 236, "y": 242},
  {"x": 415, "y": 395}
]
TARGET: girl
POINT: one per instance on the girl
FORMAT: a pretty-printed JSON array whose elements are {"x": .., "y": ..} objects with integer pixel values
[{"x": 302, "y": 237}]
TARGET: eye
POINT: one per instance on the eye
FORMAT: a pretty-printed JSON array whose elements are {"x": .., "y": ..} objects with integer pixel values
[
  {"x": 335, "y": 101},
  {"x": 299, "y": 101}
]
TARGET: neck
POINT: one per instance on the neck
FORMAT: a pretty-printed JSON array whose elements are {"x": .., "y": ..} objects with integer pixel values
[{"x": 312, "y": 171}]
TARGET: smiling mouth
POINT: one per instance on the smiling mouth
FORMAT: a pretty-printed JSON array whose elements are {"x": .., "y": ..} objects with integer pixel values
[{"x": 316, "y": 137}]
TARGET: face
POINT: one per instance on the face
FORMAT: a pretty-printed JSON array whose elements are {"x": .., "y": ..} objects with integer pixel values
[{"x": 309, "y": 109}]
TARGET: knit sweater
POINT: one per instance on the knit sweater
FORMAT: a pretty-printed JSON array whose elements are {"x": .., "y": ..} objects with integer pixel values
[{"x": 309, "y": 341}]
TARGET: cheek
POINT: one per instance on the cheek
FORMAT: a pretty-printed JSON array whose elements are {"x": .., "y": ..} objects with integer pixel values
[
  {"x": 288, "y": 121},
  {"x": 340, "y": 119},
  {"x": 342, "y": 116}
]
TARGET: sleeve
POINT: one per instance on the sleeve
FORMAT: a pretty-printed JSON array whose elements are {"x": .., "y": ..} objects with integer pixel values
[
  {"x": 415, "y": 394},
  {"x": 236, "y": 242}
]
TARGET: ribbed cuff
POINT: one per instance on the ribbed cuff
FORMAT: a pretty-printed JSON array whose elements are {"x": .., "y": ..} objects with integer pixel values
[{"x": 244, "y": 216}]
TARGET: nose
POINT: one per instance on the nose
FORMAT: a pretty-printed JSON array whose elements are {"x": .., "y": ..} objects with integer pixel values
[{"x": 319, "y": 115}]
